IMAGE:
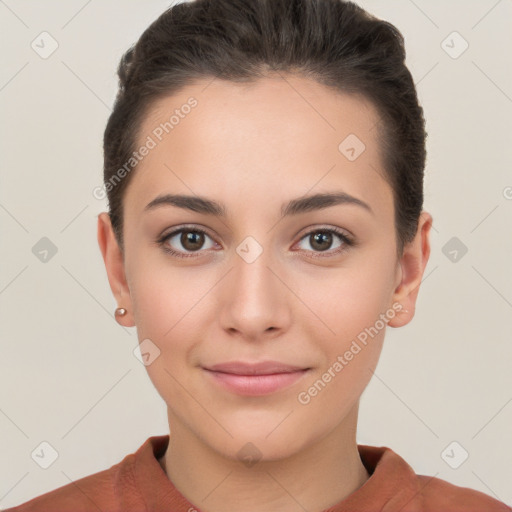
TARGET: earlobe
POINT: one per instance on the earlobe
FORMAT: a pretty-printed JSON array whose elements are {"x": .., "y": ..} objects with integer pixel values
[
  {"x": 412, "y": 266},
  {"x": 114, "y": 265}
]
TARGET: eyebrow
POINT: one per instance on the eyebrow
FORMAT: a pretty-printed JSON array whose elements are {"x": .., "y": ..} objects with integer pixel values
[{"x": 294, "y": 207}]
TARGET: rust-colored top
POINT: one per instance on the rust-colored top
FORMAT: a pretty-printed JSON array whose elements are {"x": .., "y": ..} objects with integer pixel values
[{"x": 139, "y": 484}]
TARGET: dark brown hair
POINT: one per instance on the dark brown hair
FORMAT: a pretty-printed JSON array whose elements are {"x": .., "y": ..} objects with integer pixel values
[{"x": 334, "y": 42}]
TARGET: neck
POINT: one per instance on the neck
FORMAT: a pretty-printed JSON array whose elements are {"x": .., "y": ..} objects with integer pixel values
[{"x": 313, "y": 479}]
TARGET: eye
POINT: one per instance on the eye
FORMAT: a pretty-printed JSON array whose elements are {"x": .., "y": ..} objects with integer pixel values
[
  {"x": 321, "y": 240},
  {"x": 190, "y": 239}
]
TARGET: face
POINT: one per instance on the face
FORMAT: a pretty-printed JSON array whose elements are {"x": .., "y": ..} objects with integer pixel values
[{"x": 311, "y": 285}]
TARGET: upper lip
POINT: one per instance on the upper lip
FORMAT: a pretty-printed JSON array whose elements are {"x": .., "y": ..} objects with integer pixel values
[{"x": 259, "y": 368}]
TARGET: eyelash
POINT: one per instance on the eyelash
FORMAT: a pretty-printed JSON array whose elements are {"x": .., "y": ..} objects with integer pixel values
[{"x": 347, "y": 242}]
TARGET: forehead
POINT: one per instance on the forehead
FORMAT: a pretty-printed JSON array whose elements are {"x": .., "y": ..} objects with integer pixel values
[{"x": 278, "y": 134}]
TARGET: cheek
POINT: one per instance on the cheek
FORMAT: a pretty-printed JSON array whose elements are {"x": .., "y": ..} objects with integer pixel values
[
  {"x": 170, "y": 307},
  {"x": 355, "y": 306},
  {"x": 353, "y": 300},
  {"x": 359, "y": 321},
  {"x": 163, "y": 298},
  {"x": 166, "y": 311},
  {"x": 350, "y": 356}
]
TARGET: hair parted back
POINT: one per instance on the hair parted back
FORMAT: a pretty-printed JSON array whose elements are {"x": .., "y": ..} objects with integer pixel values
[{"x": 335, "y": 42}]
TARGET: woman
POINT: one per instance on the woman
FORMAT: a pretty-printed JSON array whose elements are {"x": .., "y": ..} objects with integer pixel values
[{"x": 264, "y": 168}]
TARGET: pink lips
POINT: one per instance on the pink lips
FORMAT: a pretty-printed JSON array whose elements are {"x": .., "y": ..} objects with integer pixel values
[{"x": 255, "y": 379}]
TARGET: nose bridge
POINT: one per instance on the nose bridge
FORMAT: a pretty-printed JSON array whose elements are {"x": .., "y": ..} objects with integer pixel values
[
  {"x": 254, "y": 298},
  {"x": 252, "y": 275}
]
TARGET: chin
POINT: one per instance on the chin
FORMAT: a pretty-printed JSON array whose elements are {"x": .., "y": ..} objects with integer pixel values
[
  {"x": 266, "y": 441},
  {"x": 251, "y": 451}
]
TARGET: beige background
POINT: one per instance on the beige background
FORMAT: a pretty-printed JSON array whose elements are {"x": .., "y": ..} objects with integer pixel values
[{"x": 67, "y": 369}]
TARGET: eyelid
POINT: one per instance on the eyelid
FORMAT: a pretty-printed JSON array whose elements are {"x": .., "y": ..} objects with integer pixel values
[
  {"x": 185, "y": 227},
  {"x": 325, "y": 227}
]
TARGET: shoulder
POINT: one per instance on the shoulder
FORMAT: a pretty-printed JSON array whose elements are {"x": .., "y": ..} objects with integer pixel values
[
  {"x": 94, "y": 492},
  {"x": 394, "y": 485},
  {"x": 124, "y": 486},
  {"x": 437, "y": 494},
  {"x": 85, "y": 494}
]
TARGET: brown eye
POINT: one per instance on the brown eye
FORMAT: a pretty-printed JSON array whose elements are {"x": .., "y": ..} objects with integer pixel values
[
  {"x": 184, "y": 242},
  {"x": 321, "y": 241}
]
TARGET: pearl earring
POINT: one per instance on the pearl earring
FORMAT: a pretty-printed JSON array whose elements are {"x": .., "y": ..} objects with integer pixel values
[{"x": 120, "y": 312}]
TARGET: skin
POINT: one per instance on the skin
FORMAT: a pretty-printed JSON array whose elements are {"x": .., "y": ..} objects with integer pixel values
[{"x": 253, "y": 148}]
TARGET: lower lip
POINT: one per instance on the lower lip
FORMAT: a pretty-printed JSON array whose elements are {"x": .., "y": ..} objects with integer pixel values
[{"x": 256, "y": 385}]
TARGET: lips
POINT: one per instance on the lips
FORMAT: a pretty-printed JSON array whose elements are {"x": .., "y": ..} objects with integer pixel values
[
  {"x": 260, "y": 368},
  {"x": 255, "y": 379}
]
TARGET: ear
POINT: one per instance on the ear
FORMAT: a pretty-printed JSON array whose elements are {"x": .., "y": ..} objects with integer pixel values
[
  {"x": 114, "y": 264},
  {"x": 411, "y": 267}
]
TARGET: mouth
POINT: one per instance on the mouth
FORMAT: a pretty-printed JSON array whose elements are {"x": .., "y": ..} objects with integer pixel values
[{"x": 255, "y": 379}]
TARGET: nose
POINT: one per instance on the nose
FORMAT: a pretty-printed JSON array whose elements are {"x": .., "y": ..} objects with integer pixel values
[{"x": 255, "y": 302}]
